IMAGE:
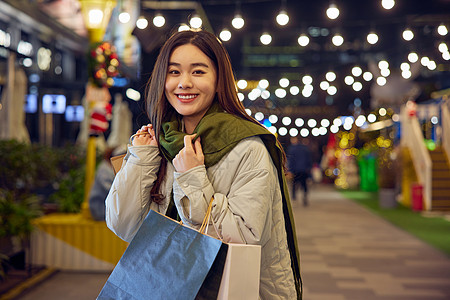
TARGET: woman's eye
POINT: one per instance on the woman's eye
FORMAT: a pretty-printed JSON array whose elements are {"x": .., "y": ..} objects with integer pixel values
[
  {"x": 173, "y": 72},
  {"x": 199, "y": 72}
]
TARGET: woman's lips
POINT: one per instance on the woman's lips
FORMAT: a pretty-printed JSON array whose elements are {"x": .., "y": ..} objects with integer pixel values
[{"x": 186, "y": 98}]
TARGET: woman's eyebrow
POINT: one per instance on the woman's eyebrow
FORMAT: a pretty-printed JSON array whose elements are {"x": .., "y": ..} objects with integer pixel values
[{"x": 199, "y": 64}]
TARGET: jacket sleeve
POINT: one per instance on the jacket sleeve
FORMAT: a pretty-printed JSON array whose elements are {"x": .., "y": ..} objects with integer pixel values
[
  {"x": 128, "y": 200},
  {"x": 242, "y": 213}
]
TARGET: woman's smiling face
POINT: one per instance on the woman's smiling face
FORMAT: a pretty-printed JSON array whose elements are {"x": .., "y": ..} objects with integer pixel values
[{"x": 190, "y": 83}]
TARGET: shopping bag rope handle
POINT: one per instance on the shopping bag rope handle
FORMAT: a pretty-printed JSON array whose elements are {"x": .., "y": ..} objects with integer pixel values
[
  {"x": 207, "y": 217},
  {"x": 204, "y": 228}
]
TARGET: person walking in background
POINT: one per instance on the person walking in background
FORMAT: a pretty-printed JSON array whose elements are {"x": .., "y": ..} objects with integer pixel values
[
  {"x": 299, "y": 165},
  {"x": 201, "y": 144}
]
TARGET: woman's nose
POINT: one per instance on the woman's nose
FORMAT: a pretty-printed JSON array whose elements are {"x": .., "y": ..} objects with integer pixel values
[{"x": 185, "y": 82}]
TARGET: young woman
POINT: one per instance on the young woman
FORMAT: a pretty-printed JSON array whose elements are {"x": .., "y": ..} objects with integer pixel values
[{"x": 201, "y": 144}]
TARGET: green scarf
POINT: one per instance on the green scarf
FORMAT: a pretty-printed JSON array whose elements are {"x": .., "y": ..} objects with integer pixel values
[{"x": 220, "y": 132}]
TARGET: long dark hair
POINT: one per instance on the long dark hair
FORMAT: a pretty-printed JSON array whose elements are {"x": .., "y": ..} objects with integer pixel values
[{"x": 158, "y": 106}]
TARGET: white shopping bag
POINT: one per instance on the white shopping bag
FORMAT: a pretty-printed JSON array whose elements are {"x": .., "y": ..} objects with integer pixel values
[{"x": 240, "y": 279}]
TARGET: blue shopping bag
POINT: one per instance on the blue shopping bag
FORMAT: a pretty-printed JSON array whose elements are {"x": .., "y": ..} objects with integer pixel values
[{"x": 167, "y": 260}]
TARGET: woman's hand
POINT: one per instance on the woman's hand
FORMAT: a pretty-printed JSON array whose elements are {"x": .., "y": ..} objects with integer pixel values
[
  {"x": 145, "y": 136},
  {"x": 190, "y": 156}
]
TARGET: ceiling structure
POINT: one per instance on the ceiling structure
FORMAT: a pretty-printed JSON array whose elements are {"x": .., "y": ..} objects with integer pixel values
[{"x": 284, "y": 57}]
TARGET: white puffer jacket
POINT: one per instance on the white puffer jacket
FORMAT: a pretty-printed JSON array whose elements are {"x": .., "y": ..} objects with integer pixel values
[{"x": 247, "y": 204}]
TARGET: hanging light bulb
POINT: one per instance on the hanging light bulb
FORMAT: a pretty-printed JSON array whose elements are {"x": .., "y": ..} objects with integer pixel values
[
  {"x": 349, "y": 80},
  {"x": 443, "y": 47},
  {"x": 307, "y": 80},
  {"x": 284, "y": 82},
  {"x": 183, "y": 27},
  {"x": 442, "y": 30},
  {"x": 282, "y": 17},
  {"x": 382, "y": 64},
  {"x": 337, "y": 40},
  {"x": 381, "y": 81},
  {"x": 408, "y": 34},
  {"x": 406, "y": 74},
  {"x": 367, "y": 76},
  {"x": 332, "y": 11},
  {"x": 387, "y": 4},
  {"x": 330, "y": 76},
  {"x": 405, "y": 66},
  {"x": 159, "y": 20},
  {"x": 413, "y": 57},
  {"x": 303, "y": 40},
  {"x": 357, "y": 86},
  {"x": 372, "y": 38},
  {"x": 356, "y": 71},
  {"x": 263, "y": 83},
  {"x": 225, "y": 35},
  {"x": 265, "y": 38},
  {"x": 238, "y": 22},
  {"x": 124, "y": 17},
  {"x": 196, "y": 21},
  {"x": 141, "y": 23}
]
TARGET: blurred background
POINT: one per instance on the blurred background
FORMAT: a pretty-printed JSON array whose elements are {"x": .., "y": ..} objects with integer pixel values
[{"x": 364, "y": 84}]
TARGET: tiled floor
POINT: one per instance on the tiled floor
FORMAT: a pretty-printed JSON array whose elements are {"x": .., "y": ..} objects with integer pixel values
[{"x": 347, "y": 253}]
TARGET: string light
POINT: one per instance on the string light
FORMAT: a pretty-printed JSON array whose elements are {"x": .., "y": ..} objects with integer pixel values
[
  {"x": 284, "y": 82},
  {"x": 405, "y": 66},
  {"x": 424, "y": 61},
  {"x": 225, "y": 35},
  {"x": 349, "y": 80},
  {"x": 367, "y": 76},
  {"x": 324, "y": 85},
  {"x": 238, "y": 22},
  {"x": 385, "y": 72},
  {"x": 184, "y": 27},
  {"x": 124, "y": 17},
  {"x": 265, "y": 38},
  {"x": 337, "y": 40},
  {"x": 372, "y": 38},
  {"x": 442, "y": 30},
  {"x": 332, "y": 11},
  {"x": 357, "y": 86},
  {"x": 294, "y": 90},
  {"x": 413, "y": 57},
  {"x": 382, "y": 64},
  {"x": 141, "y": 23},
  {"x": 280, "y": 93},
  {"x": 330, "y": 76},
  {"x": 307, "y": 79},
  {"x": 303, "y": 40},
  {"x": 263, "y": 83},
  {"x": 408, "y": 34},
  {"x": 406, "y": 74},
  {"x": 388, "y": 4},
  {"x": 242, "y": 84},
  {"x": 196, "y": 22},
  {"x": 443, "y": 47},
  {"x": 159, "y": 20},
  {"x": 282, "y": 18},
  {"x": 381, "y": 81},
  {"x": 356, "y": 71},
  {"x": 331, "y": 90},
  {"x": 299, "y": 122}
]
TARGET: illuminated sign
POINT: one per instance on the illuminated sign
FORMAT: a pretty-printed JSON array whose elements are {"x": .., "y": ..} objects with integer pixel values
[
  {"x": 54, "y": 104},
  {"x": 74, "y": 113}
]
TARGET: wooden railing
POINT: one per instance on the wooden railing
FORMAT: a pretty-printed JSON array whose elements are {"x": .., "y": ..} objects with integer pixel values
[
  {"x": 445, "y": 115},
  {"x": 412, "y": 138}
]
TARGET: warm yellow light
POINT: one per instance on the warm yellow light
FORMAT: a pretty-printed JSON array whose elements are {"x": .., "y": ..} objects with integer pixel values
[{"x": 96, "y": 15}]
